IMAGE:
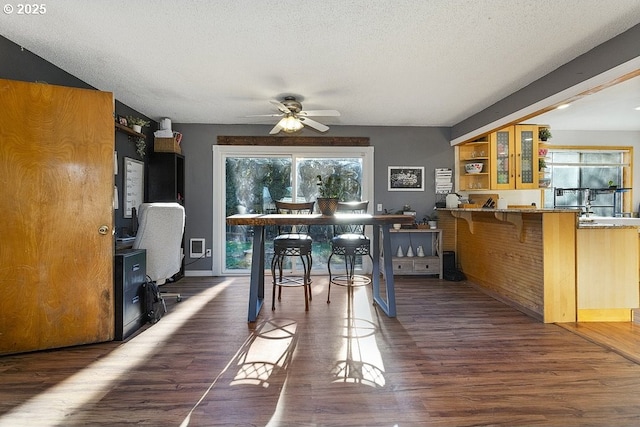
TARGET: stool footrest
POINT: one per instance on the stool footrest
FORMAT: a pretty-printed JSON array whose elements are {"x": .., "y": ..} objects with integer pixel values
[{"x": 355, "y": 280}]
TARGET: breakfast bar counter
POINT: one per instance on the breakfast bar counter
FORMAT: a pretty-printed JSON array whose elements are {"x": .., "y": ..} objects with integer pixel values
[
  {"x": 546, "y": 263},
  {"x": 525, "y": 258}
]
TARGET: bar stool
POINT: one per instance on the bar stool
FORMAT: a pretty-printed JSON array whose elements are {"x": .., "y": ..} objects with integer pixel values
[
  {"x": 292, "y": 241},
  {"x": 350, "y": 242}
]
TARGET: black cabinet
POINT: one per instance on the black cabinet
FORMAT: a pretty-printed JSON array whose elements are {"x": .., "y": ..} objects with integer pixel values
[
  {"x": 129, "y": 275},
  {"x": 166, "y": 178},
  {"x": 166, "y": 183}
]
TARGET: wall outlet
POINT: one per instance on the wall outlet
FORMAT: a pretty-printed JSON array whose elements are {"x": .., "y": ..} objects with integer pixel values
[
  {"x": 208, "y": 253},
  {"x": 379, "y": 207}
]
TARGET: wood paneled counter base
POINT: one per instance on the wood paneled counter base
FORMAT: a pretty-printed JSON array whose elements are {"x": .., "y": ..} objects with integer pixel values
[{"x": 525, "y": 258}]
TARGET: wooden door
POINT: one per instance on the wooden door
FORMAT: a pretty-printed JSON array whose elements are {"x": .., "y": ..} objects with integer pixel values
[{"x": 56, "y": 191}]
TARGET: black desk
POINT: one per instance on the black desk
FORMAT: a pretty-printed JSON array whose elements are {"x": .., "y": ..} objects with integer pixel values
[{"x": 379, "y": 223}]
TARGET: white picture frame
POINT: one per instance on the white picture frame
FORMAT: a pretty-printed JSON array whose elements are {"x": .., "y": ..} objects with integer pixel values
[
  {"x": 133, "y": 195},
  {"x": 405, "y": 178}
]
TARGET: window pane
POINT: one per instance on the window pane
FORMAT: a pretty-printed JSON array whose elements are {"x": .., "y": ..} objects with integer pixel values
[
  {"x": 350, "y": 169},
  {"x": 594, "y": 170},
  {"x": 252, "y": 184}
]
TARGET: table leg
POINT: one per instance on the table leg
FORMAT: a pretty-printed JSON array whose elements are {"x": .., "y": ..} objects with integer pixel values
[
  {"x": 388, "y": 306},
  {"x": 256, "y": 286}
]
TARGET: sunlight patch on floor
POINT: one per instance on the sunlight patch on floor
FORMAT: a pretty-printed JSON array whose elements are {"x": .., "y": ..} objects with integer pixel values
[
  {"x": 55, "y": 405},
  {"x": 359, "y": 360}
]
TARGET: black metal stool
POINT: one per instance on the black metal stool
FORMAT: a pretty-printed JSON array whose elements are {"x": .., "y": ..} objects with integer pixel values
[
  {"x": 350, "y": 242},
  {"x": 292, "y": 241}
]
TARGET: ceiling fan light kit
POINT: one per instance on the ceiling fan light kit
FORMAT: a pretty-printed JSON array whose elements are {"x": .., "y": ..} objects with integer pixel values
[
  {"x": 290, "y": 124},
  {"x": 295, "y": 118}
]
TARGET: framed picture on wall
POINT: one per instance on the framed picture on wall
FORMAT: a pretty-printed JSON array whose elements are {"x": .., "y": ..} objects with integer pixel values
[{"x": 406, "y": 178}]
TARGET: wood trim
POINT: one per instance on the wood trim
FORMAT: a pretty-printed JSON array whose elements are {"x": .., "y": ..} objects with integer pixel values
[
  {"x": 604, "y": 315},
  {"x": 300, "y": 141}
]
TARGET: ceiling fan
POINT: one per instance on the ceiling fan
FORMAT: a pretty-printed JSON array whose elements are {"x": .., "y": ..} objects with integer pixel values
[{"x": 295, "y": 118}]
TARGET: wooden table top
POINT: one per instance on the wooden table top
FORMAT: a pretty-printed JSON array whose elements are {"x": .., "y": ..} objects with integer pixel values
[{"x": 317, "y": 219}]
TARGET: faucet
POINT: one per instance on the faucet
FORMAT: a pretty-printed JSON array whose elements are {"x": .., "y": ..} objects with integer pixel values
[{"x": 587, "y": 202}]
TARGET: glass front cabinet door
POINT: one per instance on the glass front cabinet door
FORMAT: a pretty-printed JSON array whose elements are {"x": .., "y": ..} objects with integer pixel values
[{"x": 514, "y": 158}]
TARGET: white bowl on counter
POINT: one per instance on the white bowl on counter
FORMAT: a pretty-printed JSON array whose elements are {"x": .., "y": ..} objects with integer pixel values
[{"x": 472, "y": 168}]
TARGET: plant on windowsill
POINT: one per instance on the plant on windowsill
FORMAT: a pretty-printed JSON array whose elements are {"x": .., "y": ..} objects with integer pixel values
[{"x": 331, "y": 192}]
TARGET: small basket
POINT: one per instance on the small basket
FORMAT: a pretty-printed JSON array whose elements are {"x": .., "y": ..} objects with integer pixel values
[{"x": 167, "y": 145}]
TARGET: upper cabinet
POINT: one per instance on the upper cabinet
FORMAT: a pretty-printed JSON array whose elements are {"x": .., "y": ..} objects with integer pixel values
[
  {"x": 505, "y": 160},
  {"x": 514, "y": 158},
  {"x": 474, "y": 165}
]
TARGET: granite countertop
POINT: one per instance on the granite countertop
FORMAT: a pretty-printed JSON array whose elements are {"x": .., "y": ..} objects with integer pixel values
[
  {"x": 514, "y": 210},
  {"x": 605, "y": 225}
]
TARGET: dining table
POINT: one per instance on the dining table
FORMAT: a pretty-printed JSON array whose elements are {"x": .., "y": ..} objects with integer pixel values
[{"x": 380, "y": 223}]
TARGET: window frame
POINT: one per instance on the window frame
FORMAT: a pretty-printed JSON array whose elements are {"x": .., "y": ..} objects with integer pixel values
[
  {"x": 626, "y": 165},
  {"x": 221, "y": 152}
]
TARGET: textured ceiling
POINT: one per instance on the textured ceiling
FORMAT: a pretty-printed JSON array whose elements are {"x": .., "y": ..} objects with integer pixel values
[{"x": 401, "y": 63}]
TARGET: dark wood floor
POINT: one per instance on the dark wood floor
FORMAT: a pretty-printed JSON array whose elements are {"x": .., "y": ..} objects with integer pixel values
[{"x": 452, "y": 357}]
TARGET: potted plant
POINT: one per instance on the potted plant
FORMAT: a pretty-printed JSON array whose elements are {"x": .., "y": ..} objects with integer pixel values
[
  {"x": 137, "y": 123},
  {"x": 544, "y": 134},
  {"x": 432, "y": 220},
  {"x": 408, "y": 210},
  {"x": 542, "y": 164},
  {"x": 331, "y": 192},
  {"x": 141, "y": 146}
]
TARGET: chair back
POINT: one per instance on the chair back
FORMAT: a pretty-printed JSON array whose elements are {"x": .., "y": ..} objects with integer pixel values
[
  {"x": 160, "y": 231},
  {"x": 351, "y": 207},
  {"x": 303, "y": 208}
]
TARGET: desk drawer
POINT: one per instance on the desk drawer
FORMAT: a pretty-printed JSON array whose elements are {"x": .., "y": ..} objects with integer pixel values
[{"x": 427, "y": 265}]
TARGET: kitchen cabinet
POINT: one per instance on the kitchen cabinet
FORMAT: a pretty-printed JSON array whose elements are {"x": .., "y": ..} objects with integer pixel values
[
  {"x": 514, "y": 158},
  {"x": 607, "y": 273},
  {"x": 474, "y": 152},
  {"x": 418, "y": 240}
]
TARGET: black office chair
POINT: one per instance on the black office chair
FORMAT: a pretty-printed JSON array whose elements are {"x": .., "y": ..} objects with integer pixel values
[
  {"x": 292, "y": 241},
  {"x": 350, "y": 242}
]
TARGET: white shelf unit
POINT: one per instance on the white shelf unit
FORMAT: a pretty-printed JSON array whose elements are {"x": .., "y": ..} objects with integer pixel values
[{"x": 431, "y": 242}]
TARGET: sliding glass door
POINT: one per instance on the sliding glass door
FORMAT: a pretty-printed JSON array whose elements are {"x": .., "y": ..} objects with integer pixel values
[{"x": 250, "y": 180}]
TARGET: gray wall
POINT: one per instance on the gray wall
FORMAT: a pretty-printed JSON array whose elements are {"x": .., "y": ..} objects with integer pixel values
[
  {"x": 394, "y": 146},
  {"x": 21, "y": 65}
]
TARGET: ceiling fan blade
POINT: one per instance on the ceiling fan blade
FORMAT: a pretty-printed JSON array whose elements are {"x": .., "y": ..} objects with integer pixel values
[
  {"x": 317, "y": 126},
  {"x": 324, "y": 113},
  {"x": 265, "y": 115},
  {"x": 277, "y": 128},
  {"x": 281, "y": 107}
]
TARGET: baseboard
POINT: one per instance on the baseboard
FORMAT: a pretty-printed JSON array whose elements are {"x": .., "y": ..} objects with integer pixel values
[{"x": 199, "y": 273}]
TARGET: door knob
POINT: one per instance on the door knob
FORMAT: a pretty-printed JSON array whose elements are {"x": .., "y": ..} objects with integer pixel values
[{"x": 103, "y": 229}]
